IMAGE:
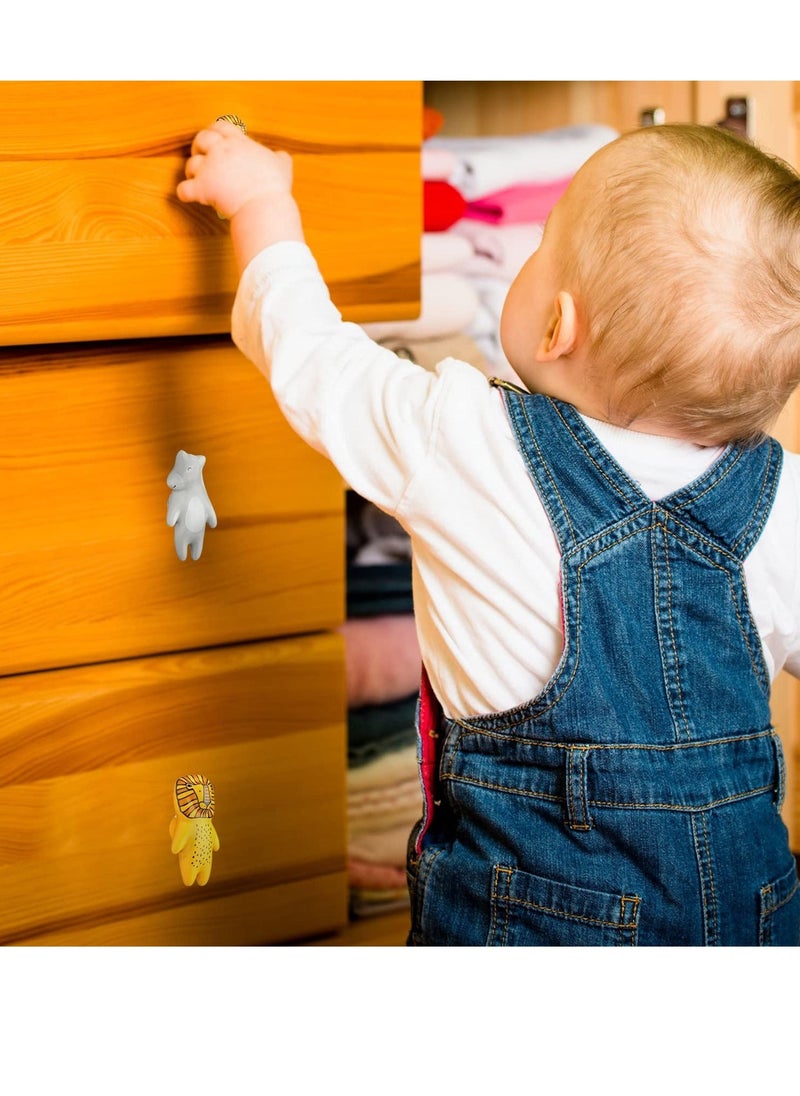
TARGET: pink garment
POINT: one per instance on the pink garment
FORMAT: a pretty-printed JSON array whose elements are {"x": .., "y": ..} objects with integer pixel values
[
  {"x": 382, "y": 658},
  {"x": 375, "y": 876},
  {"x": 525, "y": 202}
]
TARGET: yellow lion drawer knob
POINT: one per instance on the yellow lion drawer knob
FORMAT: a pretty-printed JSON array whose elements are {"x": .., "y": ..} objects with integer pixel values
[{"x": 194, "y": 838}]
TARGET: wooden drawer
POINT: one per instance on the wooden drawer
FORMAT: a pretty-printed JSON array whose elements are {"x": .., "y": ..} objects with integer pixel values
[
  {"x": 94, "y": 244},
  {"x": 88, "y": 436},
  {"x": 88, "y": 760}
]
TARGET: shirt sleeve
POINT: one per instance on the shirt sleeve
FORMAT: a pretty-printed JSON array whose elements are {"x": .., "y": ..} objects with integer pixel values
[{"x": 371, "y": 413}]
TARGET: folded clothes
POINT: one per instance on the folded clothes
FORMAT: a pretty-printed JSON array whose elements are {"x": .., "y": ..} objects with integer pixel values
[
  {"x": 380, "y": 588},
  {"x": 374, "y": 825},
  {"x": 448, "y": 305},
  {"x": 497, "y": 250},
  {"x": 380, "y": 805},
  {"x": 524, "y": 203},
  {"x": 444, "y": 251},
  {"x": 383, "y": 771},
  {"x": 491, "y": 163},
  {"x": 382, "y": 659},
  {"x": 366, "y": 902},
  {"x": 386, "y": 846},
  {"x": 375, "y": 876},
  {"x": 381, "y": 743},
  {"x": 437, "y": 163}
]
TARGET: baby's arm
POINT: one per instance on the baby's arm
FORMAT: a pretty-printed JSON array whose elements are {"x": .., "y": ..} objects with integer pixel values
[
  {"x": 369, "y": 412},
  {"x": 246, "y": 182}
]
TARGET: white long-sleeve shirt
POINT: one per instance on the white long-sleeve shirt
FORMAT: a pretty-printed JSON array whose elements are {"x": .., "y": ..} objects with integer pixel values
[{"x": 436, "y": 450}]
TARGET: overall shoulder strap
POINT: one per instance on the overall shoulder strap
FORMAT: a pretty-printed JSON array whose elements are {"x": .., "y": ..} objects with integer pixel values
[
  {"x": 729, "y": 503},
  {"x": 581, "y": 486}
]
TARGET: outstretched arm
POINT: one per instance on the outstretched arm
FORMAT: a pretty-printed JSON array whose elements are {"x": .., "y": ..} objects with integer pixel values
[{"x": 245, "y": 182}]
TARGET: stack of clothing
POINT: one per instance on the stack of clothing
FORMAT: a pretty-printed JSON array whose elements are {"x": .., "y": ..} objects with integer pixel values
[
  {"x": 485, "y": 202},
  {"x": 384, "y": 797}
]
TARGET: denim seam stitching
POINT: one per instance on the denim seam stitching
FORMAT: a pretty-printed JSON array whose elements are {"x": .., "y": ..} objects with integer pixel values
[
  {"x": 550, "y": 797},
  {"x": 767, "y": 893},
  {"x": 788, "y": 897},
  {"x": 754, "y": 528},
  {"x": 498, "y": 899},
  {"x": 708, "y": 892},
  {"x": 543, "y": 463},
  {"x": 420, "y": 888},
  {"x": 718, "y": 471},
  {"x": 780, "y": 760},
  {"x": 631, "y": 923},
  {"x": 576, "y": 755},
  {"x": 673, "y": 643},
  {"x": 637, "y": 493},
  {"x": 687, "y": 808},
  {"x": 568, "y": 914},
  {"x": 728, "y": 740},
  {"x": 729, "y": 577},
  {"x": 765, "y": 920}
]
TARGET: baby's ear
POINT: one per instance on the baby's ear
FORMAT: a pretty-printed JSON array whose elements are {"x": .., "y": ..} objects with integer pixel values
[{"x": 562, "y": 330}]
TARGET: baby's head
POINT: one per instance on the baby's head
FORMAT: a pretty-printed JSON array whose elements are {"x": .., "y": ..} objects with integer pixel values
[{"x": 665, "y": 294}]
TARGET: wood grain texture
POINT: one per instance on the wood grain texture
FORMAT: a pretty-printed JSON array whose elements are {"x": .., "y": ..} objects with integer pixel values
[
  {"x": 266, "y": 916},
  {"x": 88, "y": 759},
  {"x": 386, "y": 930},
  {"x": 94, "y": 244},
  {"x": 87, "y": 438}
]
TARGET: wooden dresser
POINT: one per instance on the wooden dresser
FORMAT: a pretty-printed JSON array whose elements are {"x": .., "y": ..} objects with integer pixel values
[{"x": 121, "y": 667}]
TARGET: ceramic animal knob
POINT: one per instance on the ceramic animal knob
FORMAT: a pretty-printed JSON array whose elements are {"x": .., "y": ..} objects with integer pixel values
[
  {"x": 194, "y": 838},
  {"x": 189, "y": 508}
]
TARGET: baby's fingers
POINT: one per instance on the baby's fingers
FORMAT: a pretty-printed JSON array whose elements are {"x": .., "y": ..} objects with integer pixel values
[
  {"x": 205, "y": 139},
  {"x": 188, "y": 190}
]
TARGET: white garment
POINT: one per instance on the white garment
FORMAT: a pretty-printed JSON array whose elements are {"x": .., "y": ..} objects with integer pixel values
[
  {"x": 490, "y": 163},
  {"x": 435, "y": 449}
]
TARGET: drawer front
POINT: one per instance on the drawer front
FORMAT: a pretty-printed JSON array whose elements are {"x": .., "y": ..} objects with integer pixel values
[
  {"x": 94, "y": 243},
  {"x": 88, "y": 762},
  {"x": 90, "y": 572}
]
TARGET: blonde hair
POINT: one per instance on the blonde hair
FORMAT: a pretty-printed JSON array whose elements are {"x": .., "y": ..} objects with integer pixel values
[{"x": 688, "y": 280}]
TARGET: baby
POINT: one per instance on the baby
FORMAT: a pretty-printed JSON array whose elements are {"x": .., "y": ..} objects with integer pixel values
[{"x": 606, "y": 560}]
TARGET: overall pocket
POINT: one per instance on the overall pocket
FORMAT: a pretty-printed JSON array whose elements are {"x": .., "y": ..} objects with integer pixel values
[
  {"x": 779, "y": 922},
  {"x": 528, "y": 911}
]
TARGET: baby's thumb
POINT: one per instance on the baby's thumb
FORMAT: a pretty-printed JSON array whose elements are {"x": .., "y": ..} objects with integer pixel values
[{"x": 186, "y": 190}]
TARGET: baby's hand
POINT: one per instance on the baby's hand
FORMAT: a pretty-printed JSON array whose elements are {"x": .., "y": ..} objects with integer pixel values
[
  {"x": 227, "y": 170},
  {"x": 246, "y": 182}
]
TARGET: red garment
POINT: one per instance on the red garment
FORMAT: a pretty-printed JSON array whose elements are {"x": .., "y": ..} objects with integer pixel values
[{"x": 443, "y": 205}]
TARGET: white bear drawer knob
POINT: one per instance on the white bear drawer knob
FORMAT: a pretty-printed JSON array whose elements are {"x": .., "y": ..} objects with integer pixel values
[{"x": 189, "y": 508}]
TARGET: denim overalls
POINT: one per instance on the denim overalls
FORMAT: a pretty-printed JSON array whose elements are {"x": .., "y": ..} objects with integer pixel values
[{"x": 635, "y": 801}]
